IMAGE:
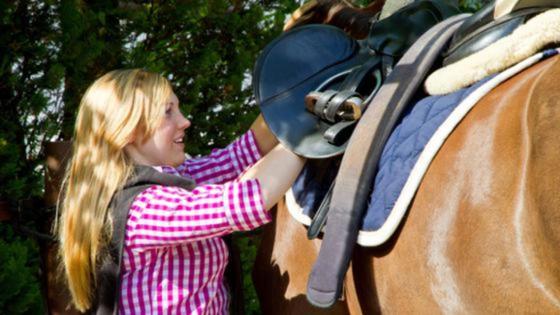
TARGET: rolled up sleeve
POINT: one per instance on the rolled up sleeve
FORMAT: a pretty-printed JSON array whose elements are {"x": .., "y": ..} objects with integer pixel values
[
  {"x": 163, "y": 216},
  {"x": 244, "y": 206},
  {"x": 223, "y": 165}
]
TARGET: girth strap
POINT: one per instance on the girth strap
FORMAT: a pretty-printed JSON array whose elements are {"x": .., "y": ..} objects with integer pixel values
[{"x": 359, "y": 162}]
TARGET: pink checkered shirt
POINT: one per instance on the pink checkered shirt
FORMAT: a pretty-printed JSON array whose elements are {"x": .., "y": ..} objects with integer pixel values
[{"x": 174, "y": 257}]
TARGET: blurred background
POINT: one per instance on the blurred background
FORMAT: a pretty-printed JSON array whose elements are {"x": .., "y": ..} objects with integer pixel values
[{"x": 50, "y": 51}]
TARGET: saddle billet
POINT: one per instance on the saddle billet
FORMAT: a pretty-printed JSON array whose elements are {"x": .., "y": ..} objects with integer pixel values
[{"x": 359, "y": 161}]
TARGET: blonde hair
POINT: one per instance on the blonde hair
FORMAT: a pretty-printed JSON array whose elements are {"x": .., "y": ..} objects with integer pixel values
[{"x": 113, "y": 109}]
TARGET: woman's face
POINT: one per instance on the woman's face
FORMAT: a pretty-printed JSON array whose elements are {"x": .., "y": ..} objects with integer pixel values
[{"x": 166, "y": 146}]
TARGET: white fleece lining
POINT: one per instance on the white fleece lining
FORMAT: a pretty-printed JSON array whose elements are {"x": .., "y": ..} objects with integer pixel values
[
  {"x": 295, "y": 210},
  {"x": 526, "y": 40},
  {"x": 380, "y": 236}
]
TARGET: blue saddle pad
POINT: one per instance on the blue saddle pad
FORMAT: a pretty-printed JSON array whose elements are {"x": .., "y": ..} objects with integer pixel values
[{"x": 403, "y": 148}]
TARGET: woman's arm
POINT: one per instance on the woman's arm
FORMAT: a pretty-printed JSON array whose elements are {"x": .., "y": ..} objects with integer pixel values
[
  {"x": 163, "y": 215},
  {"x": 276, "y": 173},
  {"x": 264, "y": 138},
  {"x": 224, "y": 165}
]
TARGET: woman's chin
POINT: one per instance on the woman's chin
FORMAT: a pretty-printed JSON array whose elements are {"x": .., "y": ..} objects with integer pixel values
[{"x": 178, "y": 161}]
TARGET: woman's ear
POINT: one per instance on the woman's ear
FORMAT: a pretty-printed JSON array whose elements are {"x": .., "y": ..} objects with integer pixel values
[
  {"x": 131, "y": 139},
  {"x": 134, "y": 136},
  {"x": 138, "y": 136}
]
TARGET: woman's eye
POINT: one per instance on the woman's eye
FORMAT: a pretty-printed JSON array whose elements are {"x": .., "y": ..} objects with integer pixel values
[{"x": 168, "y": 111}]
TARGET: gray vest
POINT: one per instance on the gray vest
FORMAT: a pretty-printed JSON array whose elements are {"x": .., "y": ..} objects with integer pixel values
[{"x": 108, "y": 274}]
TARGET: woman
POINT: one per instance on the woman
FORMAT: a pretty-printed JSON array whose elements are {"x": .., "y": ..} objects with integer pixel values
[{"x": 173, "y": 258}]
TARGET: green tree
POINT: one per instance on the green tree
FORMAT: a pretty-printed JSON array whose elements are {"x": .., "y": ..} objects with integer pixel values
[
  {"x": 90, "y": 43},
  {"x": 19, "y": 265},
  {"x": 29, "y": 77},
  {"x": 207, "y": 49}
]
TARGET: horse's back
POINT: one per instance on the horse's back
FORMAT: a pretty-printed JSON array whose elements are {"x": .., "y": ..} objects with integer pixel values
[{"x": 482, "y": 232}]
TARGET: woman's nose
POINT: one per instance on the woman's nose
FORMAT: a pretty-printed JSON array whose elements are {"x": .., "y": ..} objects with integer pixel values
[{"x": 184, "y": 123}]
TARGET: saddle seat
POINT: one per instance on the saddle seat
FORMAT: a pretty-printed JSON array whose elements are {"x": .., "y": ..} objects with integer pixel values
[
  {"x": 481, "y": 29},
  {"x": 313, "y": 189}
]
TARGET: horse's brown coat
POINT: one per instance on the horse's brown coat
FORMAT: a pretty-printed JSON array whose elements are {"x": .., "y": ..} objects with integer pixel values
[
  {"x": 284, "y": 272},
  {"x": 483, "y": 231}
]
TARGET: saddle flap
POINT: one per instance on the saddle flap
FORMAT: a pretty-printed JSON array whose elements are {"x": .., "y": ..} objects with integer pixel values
[
  {"x": 296, "y": 56},
  {"x": 288, "y": 69}
]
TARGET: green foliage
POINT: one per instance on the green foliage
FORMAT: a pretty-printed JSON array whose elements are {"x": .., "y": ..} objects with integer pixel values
[
  {"x": 26, "y": 54},
  {"x": 19, "y": 290},
  {"x": 208, "y": 49},
  {"x": 472, "y": 5},
  {"x": 247, "y": 243}
]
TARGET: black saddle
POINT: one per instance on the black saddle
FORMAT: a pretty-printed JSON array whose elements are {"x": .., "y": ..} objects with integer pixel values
[
  {"x": 336, "y": 73},
  {"x": 292, "y": 66}
]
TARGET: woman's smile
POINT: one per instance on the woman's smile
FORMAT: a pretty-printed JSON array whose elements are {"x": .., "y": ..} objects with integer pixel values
[{"x": 180, "y": 141}]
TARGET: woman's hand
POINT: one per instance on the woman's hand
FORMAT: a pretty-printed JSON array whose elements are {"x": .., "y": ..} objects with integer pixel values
[{"x": 276, "y": 173}]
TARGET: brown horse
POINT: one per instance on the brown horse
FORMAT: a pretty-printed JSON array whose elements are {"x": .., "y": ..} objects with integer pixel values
[{"x": 481, "y": 235}]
